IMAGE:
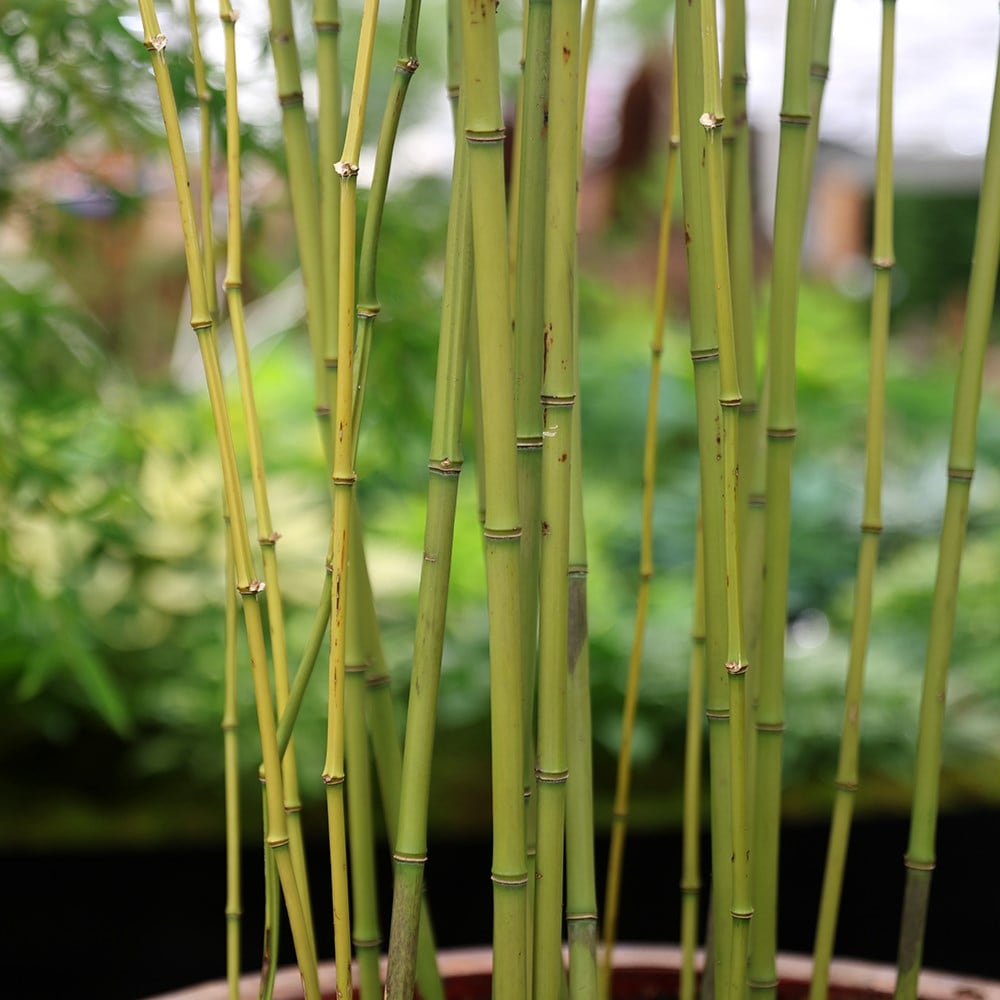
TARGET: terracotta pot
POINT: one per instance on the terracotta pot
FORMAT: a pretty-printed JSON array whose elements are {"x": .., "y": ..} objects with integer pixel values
[{"x": 642, "y": 972}]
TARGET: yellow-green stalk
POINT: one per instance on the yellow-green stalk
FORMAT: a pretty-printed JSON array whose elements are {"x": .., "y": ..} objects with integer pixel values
[
  {"x": 267, "y": 536},
  {"x": 446, "y": 459},
  {"x": 581, "y": 875},
  {"x": 528, "y": 321},
  {"x": 741, "y": 909},
  {"x": 484, "y": 132},
  {"x": 920, "y": 852},
  {"x": 691, "y": 824},
  {"x": 871, "y": 521},
  {"x": 781, "y": 427},
  {"x": 329, "y": 129},
  {"x": 247, "y": 584},
  {"x": 705, "y": 356},
  {"x": 231, "y": 758},
  {"x": 558, "y": 399},
  {"x": 368, "y": 304},
  {"x": 619, "y": 813},
  {"x": 302, "y": 188},
  {"x": 204, "y": 160},
  {"x": 344, "y": 479}
]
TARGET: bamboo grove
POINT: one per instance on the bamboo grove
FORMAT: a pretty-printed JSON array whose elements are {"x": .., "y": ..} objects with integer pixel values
[{"x": 509, "y": 355}]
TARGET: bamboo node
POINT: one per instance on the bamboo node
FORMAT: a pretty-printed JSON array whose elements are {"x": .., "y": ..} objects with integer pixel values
[
  {"x": 741, "y": 914},
  {"x": 379, "y": 681},
  {"x": 781, "y": 433},
  {"x": 871, "y": 529},
  {"x": 736, "y": 667},
  {"x": 344, "y": 480},
  {"x": 919, "y": 866},
  {"x": 333, "y": 779},
  {"x": 577, "y": 570},
  {"x": 509, "y": 880},
  {"x": 368, "y": 312},
  {"x": 333, "y": 26},
  {"x": 345, "y": 169},
  {"x": 531, "y": 443},
  {"x": 551, "y": 777},
  {"x": 365, "y": 942},
  {"x": 883, "y": 263},
  {"x": 290, "y": 100},
  {"x": 323, "y": 409},
  {"x": 787, "y": 118},
  {"x": 409, "y": 66},
  {"x": 445, "y": 466},
  {"x": 762, "y": 984},
  {"x": 550, "y": 399},
  {"x": 705, "y": 354},
  {"x": 757, "y": 500},
  {"x": 409, "y": 859},
  {"x": 709, "y": 121},
  {"x": 156, "y": 44},
  {"x": 846, "y": 786},
  {"x": 819, "y": 71},
  {"x": 230, "y": 17},
  {"x": 502, "y": 534},
  {"x": 486, "y": 136},
  {"x": 717, "y": 714},
  {"x": 253, "y": 587},
  {"x": 770, "y": 727},
  {"x": 269, "y": 539},
  {"x": 960, "y": 475},
  {"x": 581, "y": 916},
  {"x": 355, "y": 668}
]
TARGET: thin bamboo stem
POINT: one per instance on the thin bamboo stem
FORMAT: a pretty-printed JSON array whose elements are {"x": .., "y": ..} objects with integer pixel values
[
  {"x": 344, "y": 479},
  {"x": 871, "y": 520},
  {"x": 446, "y": 459},
  {"x": 920, "y": 853},
  {"x": 788, "y": 224},
  {"x": 484, "y": 132},
  {"x": 247, "y": 583},
  {"x": 620, "y": 809},
  {"x": 702, "y": 266}
]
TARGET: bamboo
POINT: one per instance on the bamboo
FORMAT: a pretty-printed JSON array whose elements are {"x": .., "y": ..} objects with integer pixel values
[
  {"x": 444, "y": 466},
  {"x": 483, "y": 123},
  {"x": 871, "y": 520},
  {"x": 619, "y": 814},
  {"x": 705, "y": 356},
  {"x": 329, "y": 128},
  {"x": 788, "y": 222},
  {"x": 344, "y": 479},
  {"x": 267, "y": 535},
  {"x": 230, "y": 749},
  {"x": 302, "y": 189},
  {"x": 558, "y": 400},
  {"x": 528, "y": 325},
  {"x": 691, "y": 830},
  {"x": 920, "y": 852},
  {"x": 246, "y": 582},
  {"x": 368, "y": 306}
]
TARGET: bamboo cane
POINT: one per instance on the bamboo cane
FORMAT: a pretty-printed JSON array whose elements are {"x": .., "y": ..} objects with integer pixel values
[
  {"x": 344, "y": 479},
  {"x": 302, "y": 189},
  {"x": 247, "y": 584},
  {"x": 920, "y": 852},
  {"x": 558, "y": 400},
  {"x": 871, "y": 521},
  {"x": 620, "y": 809},
  {"x": 705, "y": 356},
  {"x": 528, "y": 325},
  {"x": 484, "y": 133},
  {"x": 445, "y": 465},
  {"x": 788, "y": 222}
]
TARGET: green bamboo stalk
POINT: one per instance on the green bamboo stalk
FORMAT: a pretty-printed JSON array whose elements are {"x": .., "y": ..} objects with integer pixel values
[
  {"x": 272, "y": 913},
  {"x": 558, "y": 400},
  {"x": 204, "y": 160},
  {"x": 871, "y": 520},
  {"x": 267, "y": 535},
  {"x": 344, "y": 479},
  {"x": 581, "y": 882},
  {"x": 920, "y": 852},
  {"x": 329, "y": 127},
  {"x": 446, "y": 459},
  {"x": 302, "y": 189},
  {"x": 819, "y": 72},
  {"x": 741, "y": 908},
  {"x": 247, "y": 584},
  {"x": 528, "y": 324},
  {"x": 483, "y": 123},
  {"x": 361, "y": 826},
  {"x": 691, "y": 828},
  {"x": 368, "y": 306},
  {"x": 230, "y": 749},
  {"x": 620, "y": 809},
  {"x": 705, "y": 355},
  {"x": 788, "y": 221}
]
